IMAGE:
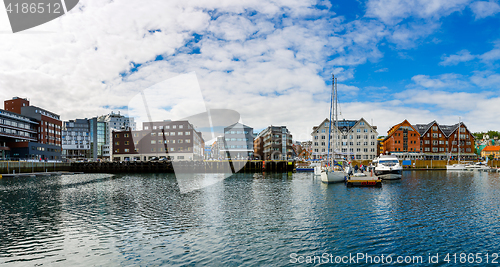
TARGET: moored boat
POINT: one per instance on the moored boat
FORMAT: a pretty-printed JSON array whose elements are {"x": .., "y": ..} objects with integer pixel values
[{"x": 387, "y": 167}]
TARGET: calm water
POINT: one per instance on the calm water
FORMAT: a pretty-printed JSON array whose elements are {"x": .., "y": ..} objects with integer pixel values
[{"x": 246, "y": 219}]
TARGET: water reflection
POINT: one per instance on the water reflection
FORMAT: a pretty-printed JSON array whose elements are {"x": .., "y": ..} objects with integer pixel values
[{"x": 244, "y": 219}]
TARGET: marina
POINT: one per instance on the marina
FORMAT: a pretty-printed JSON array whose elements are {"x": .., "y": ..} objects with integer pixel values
[{"x": 246, "y": 219}]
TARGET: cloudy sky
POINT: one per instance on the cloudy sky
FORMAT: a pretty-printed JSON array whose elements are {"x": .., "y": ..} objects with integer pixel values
[{"x": 271, "y": 61}]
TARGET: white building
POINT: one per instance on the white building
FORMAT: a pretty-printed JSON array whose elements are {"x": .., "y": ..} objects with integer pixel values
[
  {"x": 76, "y": 140},
  {"x": 115, "y": 122},
  {"x": 356, "y": 139}
]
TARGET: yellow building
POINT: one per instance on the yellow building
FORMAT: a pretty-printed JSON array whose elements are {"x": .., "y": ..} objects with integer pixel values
[{"x": 491, "y": 150}]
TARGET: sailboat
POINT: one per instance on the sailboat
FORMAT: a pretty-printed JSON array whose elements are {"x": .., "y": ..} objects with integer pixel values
[
  {"x": 334, "y": 172},
  {"x": 457, "y": 166}
]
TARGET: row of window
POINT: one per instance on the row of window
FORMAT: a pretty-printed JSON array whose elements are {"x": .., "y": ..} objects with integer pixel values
[
  {"x": 236, "y": 139},
  {"x": 346, "y": 143},
  {"x": 164, "y": 127},
  {"x": 161, "y": 149},
  {"x": 316, "y": 137},
  {"x": 236, "y": 132}
]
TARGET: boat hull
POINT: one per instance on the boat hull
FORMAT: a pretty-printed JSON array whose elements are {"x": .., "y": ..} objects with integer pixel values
[
  {"x": 304, "y": 169},
  {"x": 456, "y": 167},
  {"x": 389, "y": 174},
  {"x": 329, "y": 177}
]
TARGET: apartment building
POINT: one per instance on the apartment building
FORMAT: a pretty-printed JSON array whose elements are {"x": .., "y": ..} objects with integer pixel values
[{"x": 355, "y": 139}]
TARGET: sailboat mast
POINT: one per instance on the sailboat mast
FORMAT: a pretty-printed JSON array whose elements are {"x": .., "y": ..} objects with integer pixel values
[
  {"x": 336, "y": 119},
  {"x": 330, "y": 121},
  {"x": 459, "y": 124}
]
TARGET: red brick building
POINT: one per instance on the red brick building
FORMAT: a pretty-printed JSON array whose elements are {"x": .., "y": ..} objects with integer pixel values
[
  {"x": 402, "y": 137},
  {"x": 429, "y": 141}
]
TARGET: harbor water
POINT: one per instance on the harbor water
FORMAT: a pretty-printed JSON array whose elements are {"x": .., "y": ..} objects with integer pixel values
[{"x": 245, "y": 219}]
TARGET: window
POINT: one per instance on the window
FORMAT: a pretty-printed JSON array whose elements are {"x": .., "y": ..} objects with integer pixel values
[
  {"x": 181, "y": 126},
  {"x": 179, "y": 133},
  {"x": 116, "y": 135},
  {"x": 146, "y": 127},
  {"x": 174, "y": 126},
  {"x": 126, "y": 150},
  {"x": 153, "y": 141},
  {"x": 167, "y": 126},
  {"x": 188, "y": 133},
  {"x": 172, "y": 149},
  {"x": 188, "y": 141},
  {"x": 315, "y": 137},
  {"x": 160, "y": 134},
  {"x": 126, "y": 142},
  {"x": 154, "y": 127},
  {"x": 117, "y": 143},
  {"x": 153, "y": 134},
  {"x": 323, "y": 131},
  {"x": 172, "y": 133},
  {"x": 434, "y": 128}
]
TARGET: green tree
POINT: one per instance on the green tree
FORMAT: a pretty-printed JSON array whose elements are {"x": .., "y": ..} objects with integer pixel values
[{"x": 491, "y": 157}]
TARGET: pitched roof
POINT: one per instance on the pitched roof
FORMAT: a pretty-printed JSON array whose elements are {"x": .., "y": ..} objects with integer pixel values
[
  {"x": 491, "y": 148},
  {"x": 423, "y": 128}
]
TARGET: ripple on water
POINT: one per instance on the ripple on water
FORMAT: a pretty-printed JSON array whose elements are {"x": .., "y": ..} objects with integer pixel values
[{"x": 247, "y": 219}]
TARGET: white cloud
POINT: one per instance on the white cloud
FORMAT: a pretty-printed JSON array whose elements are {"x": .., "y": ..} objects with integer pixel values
[
  {"x": 483, "y": 9},
  {"x": 393, "y": 11},
  {"x": 449, "y": 81},
  {"x": 462, "y": 56},
  {"x": 486, "y": 79}
]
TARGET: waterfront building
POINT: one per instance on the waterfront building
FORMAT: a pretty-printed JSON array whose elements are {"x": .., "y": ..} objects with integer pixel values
[
  {"x": 402, "y": 138},
  {"x": 491, "y": 150},
  {"x": 47, "y": 145},
  {"x": 429, "y": 141},
  {"x": 274, "y": 143},
  {"x": 208, "y": 152},
  {"x": 237, "y": 142},
  {"x": 77, "y": 143},
  {"x": 176, "y": 140},
  {"x": 356, "y": 139},
  {"x": 110, "y": 123}
]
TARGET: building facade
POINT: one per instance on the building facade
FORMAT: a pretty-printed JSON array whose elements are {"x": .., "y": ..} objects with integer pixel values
[
  {"x": 110, "y": 123},
  {"x": 47, "y": 145},
  {"x": 77, "y": 143},
  {"x": 275, "y": 142},
  {"x": 493, "y": 151},
  {"x": 238, "y": 142},
  {"x": 429, "y": 141},
  {"x": 176, "y": 140},
  {"x": 356, "y": 139},
  {"x": 402, "y": 137}
]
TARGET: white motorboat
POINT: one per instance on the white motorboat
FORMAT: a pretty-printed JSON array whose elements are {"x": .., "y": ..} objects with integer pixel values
[
  {"x": 387, "y": 167},
  {"x": 477, "y": 166}
]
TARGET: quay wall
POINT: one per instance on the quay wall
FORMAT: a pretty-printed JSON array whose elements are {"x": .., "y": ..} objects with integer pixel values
[
  {"x": 10, "y": 167},
  {"x": 184, "y": 167}
]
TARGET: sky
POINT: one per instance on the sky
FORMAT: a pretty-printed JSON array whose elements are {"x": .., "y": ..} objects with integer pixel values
[{"x": 271, "y": 61}]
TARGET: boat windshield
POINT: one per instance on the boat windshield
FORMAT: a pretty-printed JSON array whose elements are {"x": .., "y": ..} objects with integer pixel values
[{"x": 388, "y": 161}]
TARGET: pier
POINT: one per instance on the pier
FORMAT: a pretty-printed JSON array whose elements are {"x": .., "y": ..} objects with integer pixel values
[{"x": 225, "y": 166}]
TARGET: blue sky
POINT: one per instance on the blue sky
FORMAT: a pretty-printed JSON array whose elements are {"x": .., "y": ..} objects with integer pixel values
[{"x": 271, "y": 61}]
